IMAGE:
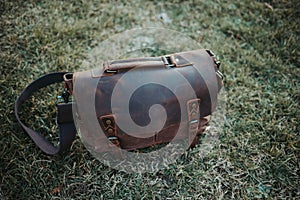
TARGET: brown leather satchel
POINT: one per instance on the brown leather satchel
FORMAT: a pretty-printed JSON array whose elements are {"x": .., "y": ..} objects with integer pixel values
[{"x": 185, "y": 85}]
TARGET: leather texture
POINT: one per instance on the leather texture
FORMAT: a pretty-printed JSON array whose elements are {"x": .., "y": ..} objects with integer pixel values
[{"x": 111, "y": 73}]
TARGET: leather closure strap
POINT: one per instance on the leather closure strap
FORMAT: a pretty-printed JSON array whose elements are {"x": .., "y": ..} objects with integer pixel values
[
  {"x": 193, "y": 111},
  {"x": 108, "y": 123},
  {"x": 68, "y": 79}
]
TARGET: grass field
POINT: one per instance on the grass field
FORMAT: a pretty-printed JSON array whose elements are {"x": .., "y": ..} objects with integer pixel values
[{"x": 258, "y": 154}]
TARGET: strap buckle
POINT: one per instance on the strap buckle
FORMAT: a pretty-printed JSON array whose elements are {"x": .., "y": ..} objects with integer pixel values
[
  {"x": 168, "y": 61},
  {"x": 216, "y": 62},
  {"x": 64, "y": 97}
]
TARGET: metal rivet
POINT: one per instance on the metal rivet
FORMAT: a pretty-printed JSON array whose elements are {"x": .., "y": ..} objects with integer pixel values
[
  {"x": 110, "y": 130},
  {"x": 194, "y": 105},
  {"x": 108, "y": 122}
]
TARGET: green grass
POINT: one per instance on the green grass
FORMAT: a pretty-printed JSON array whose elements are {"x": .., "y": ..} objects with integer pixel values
[{"x": 258, "y": 152}]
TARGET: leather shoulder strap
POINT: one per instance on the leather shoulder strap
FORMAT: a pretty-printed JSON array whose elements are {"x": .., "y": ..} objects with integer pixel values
[{"x": 66, "y": 127}]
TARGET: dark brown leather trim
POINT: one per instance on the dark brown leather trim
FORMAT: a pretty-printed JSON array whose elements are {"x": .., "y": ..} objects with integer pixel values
[
  {"x": 68, "y": 78},
  {"x": 108, "y": 123},
  {"x": 193, "y": 118},
  {"x": 64, "y": 113}
]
